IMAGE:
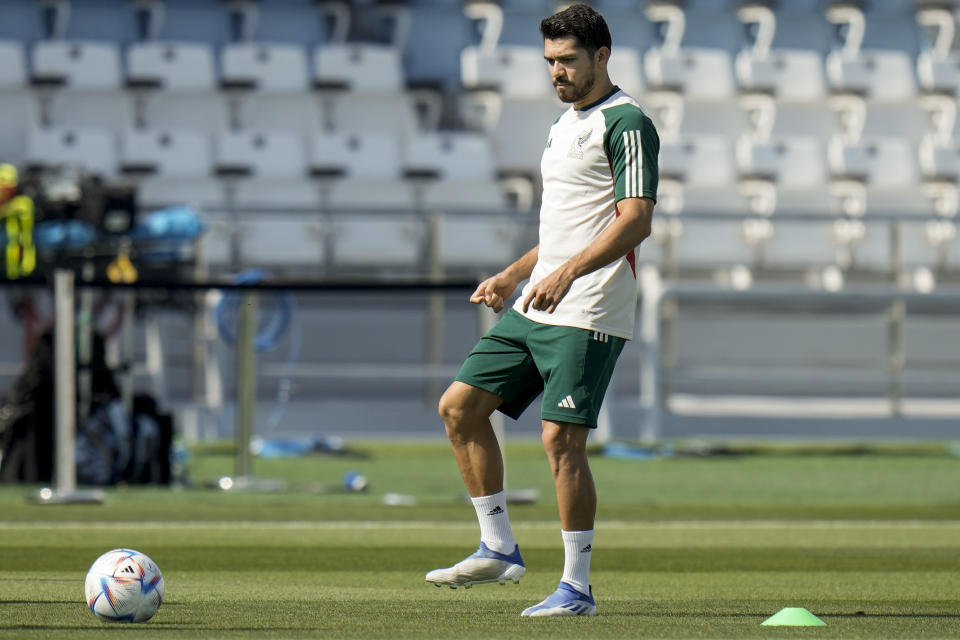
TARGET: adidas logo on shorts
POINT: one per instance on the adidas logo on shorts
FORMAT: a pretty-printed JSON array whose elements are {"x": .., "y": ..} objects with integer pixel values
[{"x": 567, "y": 403}]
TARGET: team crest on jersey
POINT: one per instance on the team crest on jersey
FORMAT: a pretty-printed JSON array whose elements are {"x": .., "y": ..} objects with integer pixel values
[{"x": 576, "y": 147}]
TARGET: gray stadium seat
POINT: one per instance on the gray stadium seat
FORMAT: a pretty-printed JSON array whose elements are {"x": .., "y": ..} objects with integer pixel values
[
  {"x": 272, "y": 239},
  {"x": 80, "y": 84},
  {"x": 261, "y": 154},
  {"x": 175, "y": 85},
  {"x": 166, "y": 152},
  {"x": 379, "y": 242},
  {"x": 15, "y": 103},
  {"x": 91, "y": 150},
  {"x": 267, "y": 83}
]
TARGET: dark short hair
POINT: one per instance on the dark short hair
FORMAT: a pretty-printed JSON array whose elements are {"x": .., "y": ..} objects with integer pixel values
[{"x": 579, "y": 21}]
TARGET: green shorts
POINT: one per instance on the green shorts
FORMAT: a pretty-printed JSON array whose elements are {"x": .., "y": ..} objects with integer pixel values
[{"x": 519, "y": 358}]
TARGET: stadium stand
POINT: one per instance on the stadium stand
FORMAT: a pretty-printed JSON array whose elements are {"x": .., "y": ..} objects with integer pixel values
[{"x": 803, "y": 143}]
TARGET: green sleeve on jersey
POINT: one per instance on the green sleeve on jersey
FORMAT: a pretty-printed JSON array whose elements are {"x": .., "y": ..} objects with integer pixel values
[{"x": 631, "y": 144}]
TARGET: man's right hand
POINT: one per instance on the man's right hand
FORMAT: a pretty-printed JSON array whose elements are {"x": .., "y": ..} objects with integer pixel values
[{"x": 494, "y": 291}]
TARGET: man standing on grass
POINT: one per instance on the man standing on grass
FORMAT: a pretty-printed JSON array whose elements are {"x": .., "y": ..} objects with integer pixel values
[{"x": 569, "y": 324}]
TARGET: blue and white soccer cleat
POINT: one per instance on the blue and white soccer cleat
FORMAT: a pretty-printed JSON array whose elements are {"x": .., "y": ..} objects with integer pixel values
[
  {"x": 565, "y": 601},
  {"x": 482, "y": 566}
]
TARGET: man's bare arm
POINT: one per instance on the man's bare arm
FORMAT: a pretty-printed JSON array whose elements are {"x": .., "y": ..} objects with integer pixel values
[
  {"x": 495, "y": 290},
  {"x": 623, "y": 234}
]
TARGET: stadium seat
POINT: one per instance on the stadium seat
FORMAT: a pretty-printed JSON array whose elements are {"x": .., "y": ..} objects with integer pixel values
[
  {"x": 513, "y": 71},
  {"x": 80, "y": 84},
  {"x": 938, "y": 65},
  {"x": 801, "y": 245},
  {"x": 789, "y": 75},
  {"x": 173, "y": 166},
  {"x": 878, "y": 74},
  {"x": 698, "y": 160},
  {"x": 204, "y": 193},
  {"x": 787, "y": 161},
  {"x": 359, "y": 170},
  {"x": 175, "y": 85},
  {"x": 379, "y": 242},
  {"x": 90, "y": 150},
  {"x": 272, "y": 239},
  {"x": 785, "y": 73},
  {"x": 932, "y": 243},
  {"x": 711, "y": 244},
  {"x": 938, "y": 160},
  {"x": 267, "y": 84},
  {"x": 15, "y": 103},
  {"x": 478, "y": 243},
  {"x": 166, "y": 152},
  {"x": 453, "y": 171},
  {"x": 13, "y": 65},
  {"x": 886, "y": 161},
  {"x": 277, "y": 194},
  {"x": 171, "y": 66},
  {"x": 358, "y": 67},
  {"x": 698, "y": 74},
  {"x": 449, "y": 155},
  {"x": 625, "y": 69},
  {"x": 362, "y": 88},
  {"x": 264, "y": 67},
  {"x": 355, "y": 154},
  {"x": 76, "y": 64},
  {"x": 260, "y": 153}
]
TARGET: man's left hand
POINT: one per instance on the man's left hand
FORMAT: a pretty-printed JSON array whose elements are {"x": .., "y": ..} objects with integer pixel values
[{"x": 547, "y": 294}]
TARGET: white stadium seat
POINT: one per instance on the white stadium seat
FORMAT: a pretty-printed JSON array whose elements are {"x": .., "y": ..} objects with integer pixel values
[
  {"x": 478, "y": 243},
  {"x": 515, "y": 71},
  {"x": 789, "y": 74},
  {"x": 15, "y": 102},
  {"x": 172, "y": 66},
  {"x": 879, "y": 75},
  {"x": 453, "y": 171},
  {"x": 355, "y": 154},
  {"x": 81, "y": 84},
  {"x": 378, "y": 241},
  {"x": 264, "y": 67},
  {"x": 270, "y": 239},
  {"x": 260, "y": 153},
  {"x": 91, "y": 150},
  {"x": 882, "y": 160},
  {"x": 77, "y": 64},
  {"x": 359, "y": 67},
  {"x": 450, "y": 155},
  {"x": 166, "y": 152},
  {"x": 698, "y": 160},
  {"x": 697, "y": 73},
  {"x": 176, "y": 84},
  {"x": 789, "y": 161}
]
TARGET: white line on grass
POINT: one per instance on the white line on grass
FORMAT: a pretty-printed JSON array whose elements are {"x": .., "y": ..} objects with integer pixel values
[{"x": 538, "y": 525}]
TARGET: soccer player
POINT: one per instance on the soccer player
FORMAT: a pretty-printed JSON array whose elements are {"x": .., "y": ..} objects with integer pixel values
[{"x": 567, "y": 328}]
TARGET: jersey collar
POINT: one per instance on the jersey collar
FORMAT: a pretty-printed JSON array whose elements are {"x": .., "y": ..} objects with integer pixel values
[{"x": 601, "y": 100}]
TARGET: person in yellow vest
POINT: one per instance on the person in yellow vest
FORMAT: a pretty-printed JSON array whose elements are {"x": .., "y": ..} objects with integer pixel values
[{"x": 16, "y": 211}]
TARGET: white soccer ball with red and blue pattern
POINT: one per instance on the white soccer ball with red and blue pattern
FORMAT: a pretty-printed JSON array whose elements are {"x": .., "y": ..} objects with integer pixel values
[{"x": 124, "y": 585}]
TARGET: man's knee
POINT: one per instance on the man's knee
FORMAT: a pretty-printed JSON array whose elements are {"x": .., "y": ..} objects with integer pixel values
[
  {"x": 462, "y": 404},
  {"x": 564, "y": 439}
]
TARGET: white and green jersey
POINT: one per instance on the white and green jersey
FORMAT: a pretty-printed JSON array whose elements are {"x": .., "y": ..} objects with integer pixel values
[{"x": 595, "y": 157}]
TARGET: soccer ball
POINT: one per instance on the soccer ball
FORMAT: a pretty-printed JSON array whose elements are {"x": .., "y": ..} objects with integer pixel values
[{"x": 124, "y": 585}]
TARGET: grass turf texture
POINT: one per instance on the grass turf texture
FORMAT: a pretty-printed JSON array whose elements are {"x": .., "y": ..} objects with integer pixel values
[{"x": 686, "y": 547}]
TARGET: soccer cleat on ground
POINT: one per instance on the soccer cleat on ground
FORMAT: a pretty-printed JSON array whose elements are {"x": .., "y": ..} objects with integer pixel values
[
  {"x": 482, "y": 566},
  {"x": 565, "y": 601}
]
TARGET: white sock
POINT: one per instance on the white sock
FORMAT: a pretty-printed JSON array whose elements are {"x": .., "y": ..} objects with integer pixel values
[
  {"x": 577, "y": 550},
  {"x": 495, "y": 529}
]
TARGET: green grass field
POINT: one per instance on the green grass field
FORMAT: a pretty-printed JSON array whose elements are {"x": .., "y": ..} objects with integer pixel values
[{"x": 686, "y": 547}]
